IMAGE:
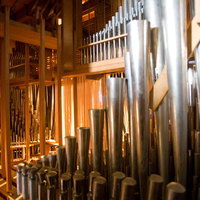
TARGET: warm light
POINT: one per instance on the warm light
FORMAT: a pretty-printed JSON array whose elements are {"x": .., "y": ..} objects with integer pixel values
[
  {"x": 84, "y": 1},
  {"x": 59, "y": 21},
  {"x": 86, "y": 16},
  {"x": 63, "y": 117}
]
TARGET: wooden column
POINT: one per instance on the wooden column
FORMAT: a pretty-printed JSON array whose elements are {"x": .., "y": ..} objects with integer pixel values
[
  {"x": 27, "y": 65},
  {"x": 5, "y": 97},
  {"x": 3, "y": 167},
  {"x": 58, "y": 102},
  {"x": 42, "y": 88},
  {"x": 67, "y": 35}
]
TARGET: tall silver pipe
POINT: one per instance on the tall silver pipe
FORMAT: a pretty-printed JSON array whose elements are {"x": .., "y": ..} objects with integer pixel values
[
  {"x": 139, "y": 48},
  {"x": 175, "y": 191},
  {"x": 128, "y": 189},
  {"x": 83, "y": 147},
  {"x": 133, "y": 143},
  {"x": 61, "y": 160},
  {"x": 152, "y": 12},
  {"x": 116, "y": 92},
  {"x": 70, "y": 146},
  {"x": 96, "y": 118},
  {"x": 174, "y": 31}
]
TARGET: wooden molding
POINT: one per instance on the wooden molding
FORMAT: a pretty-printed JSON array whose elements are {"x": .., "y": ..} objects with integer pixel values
[{"x": 159, "y": 90}]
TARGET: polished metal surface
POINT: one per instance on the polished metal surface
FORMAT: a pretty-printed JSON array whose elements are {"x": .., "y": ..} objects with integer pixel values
[
  {"x": 175, "y": 191},
  {"x": 133, "y": 144},
  {"x": 155, "y": 183},
  {"x": 70, "y": 146},
  {"x": 19, "y": 178},
  {"x": 42, "y": 184},
  {"x": 61, "y": 160},
  {"x": 197, "y": 59},
  {"x": 116, "y": 92},
  {"x": 174, "y": 31},
  {"x": 83, "y": 147},
  {"x": 128, "y": 189},
  {"x": 45, "y": 160},
  {"x": 92, "y": 176},
  {"x": 117, "y": 178},
  {"x": 25, "y": 182},
  {"x": 78, "y": 180},
  {"x": 197, "y": 141},
  {"x": 139, "y": 48},
  {"x": 99, "y": 188},
  {"x": 52, "y": 159},
  {"x": 33, "y": 183},
  {"x": 152, "y": 12},
  {"x": 65, "y": 182},
  {"x": 96, "y": 118}
]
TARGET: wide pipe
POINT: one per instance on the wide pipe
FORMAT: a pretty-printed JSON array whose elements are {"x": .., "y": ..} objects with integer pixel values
[
  {"x": 155, "y": 183},
  {"x": 96, "y": 118},
  {"x": 139, "y": 48},
  {"x": 70, "y": 146},
  {"x": 116, "y": 92},
  {"x": 175, "y": 191},
  {"x": 174, "y": 31},
  {"x": 133, "y": 144},
  {"x": 83, "y": 147},
  {"x": 152, "y": 13}
]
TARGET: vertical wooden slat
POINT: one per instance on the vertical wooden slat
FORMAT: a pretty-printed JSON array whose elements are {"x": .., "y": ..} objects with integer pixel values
[
  {"x": 27, "y": 101},
  {"x": 67, "y": 35},
  {"x": 3, "y": 167},
  {"x": 42, "y": 87},
  {"x": 5, "y": 95},
  {"x": 58, "y": 102}
]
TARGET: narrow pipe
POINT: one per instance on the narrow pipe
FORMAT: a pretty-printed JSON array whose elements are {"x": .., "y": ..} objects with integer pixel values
[
  {"x": 61, "y": 160},
  {"x": 52, "y": 159},
  {"x": 133, "y": 144},
  {"x": 96, "y": 118},
  {"x": 139, "y": 48},
  {"x": 83, "y": 147},
  {"x": 70, "y": 146},
  {"x": 25, "y": 182},
  {"x": 174, "y": 29},
  {"x": 19, "y": 178}
]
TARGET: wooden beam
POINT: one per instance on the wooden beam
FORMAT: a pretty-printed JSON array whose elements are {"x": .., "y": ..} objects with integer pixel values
[
  {"x": 42, "y": 87},
  {"x": 5, "y": 96},
  {"x": 3, "y": 165},
  {"x": 159, "y": 90},
  {"x": 105, "y": 66},
  {"x": 193, "y": 36},
  {"x": 27, "y": 66},
  {"x": 27, "y": 34},
  {"x": 58, "y": 102},
  {"x": 67, "y": 36}
]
